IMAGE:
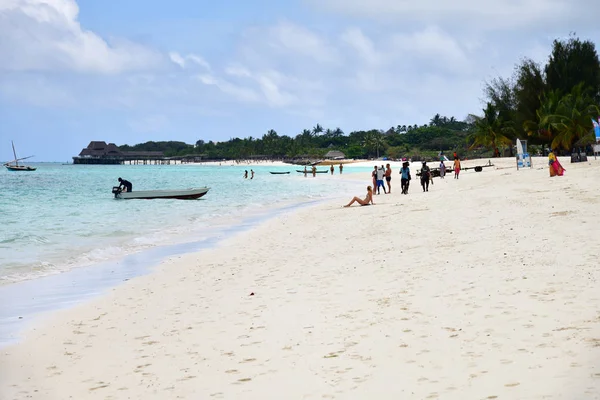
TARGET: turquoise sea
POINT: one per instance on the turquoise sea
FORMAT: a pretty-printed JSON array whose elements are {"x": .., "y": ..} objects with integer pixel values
[{"x": 62, "y": 217}]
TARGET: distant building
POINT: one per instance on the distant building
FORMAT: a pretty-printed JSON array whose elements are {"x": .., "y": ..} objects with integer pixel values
[
  {"x": 335, "y": 155},
  {"x": 98, "y": 152}
]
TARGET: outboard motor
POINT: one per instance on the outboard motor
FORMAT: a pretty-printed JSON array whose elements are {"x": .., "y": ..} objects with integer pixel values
[{"x": 116, "y": 190}]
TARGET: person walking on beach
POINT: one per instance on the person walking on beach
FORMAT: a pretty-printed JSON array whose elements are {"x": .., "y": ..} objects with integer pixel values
[
  {"x": 246, "y": 174},
  {"x": 404, "y": 177},
  {"x": 332, "y": 169},
  {"x": 341, "y": 168},
  {"x": 363, "y": 202},
  {"x": 425, "y": 177},
  {"x": 251, "y": 174},
  {"x": 125, "y": 185},
  {"x": 456, "y": 167},
  {"x": 388, "y": 177},
  {"x": 380, "y": 174},
  {"x": 442, "y": 169}
]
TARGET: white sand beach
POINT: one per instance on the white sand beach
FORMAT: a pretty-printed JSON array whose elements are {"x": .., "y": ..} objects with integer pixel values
[{"x": 484, "y": 287}]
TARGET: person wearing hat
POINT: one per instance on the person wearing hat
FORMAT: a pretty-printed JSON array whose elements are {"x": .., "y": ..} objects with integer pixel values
[
  {"x": 425, "y": 176},
  {"x": 125, "y": 184}
]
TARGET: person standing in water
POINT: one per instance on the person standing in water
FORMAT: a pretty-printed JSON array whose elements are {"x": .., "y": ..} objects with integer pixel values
[
  {"x": 332, "y": 169},
  {"x": 404, "y": 177},
  {"x": 456, "y": 167},
  {"x": 388, "y": 177},
  {"x": 246, "y": 174},
  {"x": 314, "y": 171},
  {"x": 251, "y": 174},
  {"x": 341, "y": 168}
]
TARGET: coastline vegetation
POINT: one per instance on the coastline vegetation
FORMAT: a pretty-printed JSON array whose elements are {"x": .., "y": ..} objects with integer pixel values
[{"x": 550, "y": 106}]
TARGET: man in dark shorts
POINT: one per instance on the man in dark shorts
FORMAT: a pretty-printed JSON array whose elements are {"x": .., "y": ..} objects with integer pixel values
[
  {"x": 388, "y": 177},
  {"x": 123, "y": 183}
]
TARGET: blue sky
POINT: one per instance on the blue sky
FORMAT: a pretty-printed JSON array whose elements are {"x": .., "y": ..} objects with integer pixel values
[{"x": 131, "y": 71}]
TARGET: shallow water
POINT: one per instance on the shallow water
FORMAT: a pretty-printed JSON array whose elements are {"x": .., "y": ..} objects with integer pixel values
[{"x": 65, "y": 216}]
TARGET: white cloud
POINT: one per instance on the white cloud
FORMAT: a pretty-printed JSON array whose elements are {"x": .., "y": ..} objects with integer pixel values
[
  {"x": 42, "y": 35},
  {"x": 363, "y": 46},
  {"x": 183, "y": 61},
  {"x": 504, "y": 14},
  {"x": 238, "y": 92}
]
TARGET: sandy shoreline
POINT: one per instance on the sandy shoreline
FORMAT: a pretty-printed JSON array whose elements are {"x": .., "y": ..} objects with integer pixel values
[{"x": 485, "y": 287}]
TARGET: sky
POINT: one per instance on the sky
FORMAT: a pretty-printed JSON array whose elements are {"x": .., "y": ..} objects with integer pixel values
[{"x": 132, "y": 71}]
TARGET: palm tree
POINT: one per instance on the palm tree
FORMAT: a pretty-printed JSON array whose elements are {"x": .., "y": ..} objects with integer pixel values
[
  {"x": 573, "y": 119},
  {"x": 337, "y": 132},
  {"x": 317, "y": 130},
  {"x": 378, "y": 142},
  {"x": 541, "y": 129},
  {"x": 563, "y": 121},
  {"x": 490, "y": 130}
]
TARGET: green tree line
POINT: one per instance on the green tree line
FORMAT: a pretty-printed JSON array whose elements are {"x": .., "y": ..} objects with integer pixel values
[{"x": 550, "y": 105}]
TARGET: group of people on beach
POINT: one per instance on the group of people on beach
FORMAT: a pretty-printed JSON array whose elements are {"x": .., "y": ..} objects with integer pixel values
[{"x": 379, "y": 173}]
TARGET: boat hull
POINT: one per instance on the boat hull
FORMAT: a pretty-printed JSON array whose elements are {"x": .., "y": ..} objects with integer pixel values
[
  {"x": 279, "y": 173},
  {"x": 185, "y": 194},
  {"x": 19, "y": 168},
  {"x": 310, "y": 172}
]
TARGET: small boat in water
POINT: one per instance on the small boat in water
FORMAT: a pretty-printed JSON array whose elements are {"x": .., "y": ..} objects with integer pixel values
[
  {"x": 279, "y": 173},
  {"x": 180, "y": 194},
  {"x": 308, "y": 171},
  {"x": 16, "y": 166}
]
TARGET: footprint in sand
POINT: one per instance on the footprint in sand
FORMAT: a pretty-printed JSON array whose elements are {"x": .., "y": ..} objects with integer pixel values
[{"x": 512, "y": 384}]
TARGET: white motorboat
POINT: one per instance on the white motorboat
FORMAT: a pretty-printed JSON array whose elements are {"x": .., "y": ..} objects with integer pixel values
[{"x": 180, "y": 194}]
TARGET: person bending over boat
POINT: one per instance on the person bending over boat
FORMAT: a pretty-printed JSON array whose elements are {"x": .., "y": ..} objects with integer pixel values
[
  {"x": 125, "y": 184},
  {"x": 363, "y": 202}
]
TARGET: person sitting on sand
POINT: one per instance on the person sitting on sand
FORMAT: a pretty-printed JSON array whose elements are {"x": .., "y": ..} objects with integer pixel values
[{"x": 363, "y": 202}]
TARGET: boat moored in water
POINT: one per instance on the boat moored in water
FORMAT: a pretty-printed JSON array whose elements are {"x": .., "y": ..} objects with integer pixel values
[
  {"x": 16, "y": 167},
  {"x": 179, "y": 194}
]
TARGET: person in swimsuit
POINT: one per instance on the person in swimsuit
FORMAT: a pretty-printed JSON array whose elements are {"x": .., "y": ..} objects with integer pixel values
[
  {"x": 363, "y": 202},
  {"x": 251, "y": 174},
  {"x": 388, "y": 177},
  {"x": 374, "y": 176},
  {"x": 456, "y": 167},
  {"x": 125, "y": 185},
  {"x": 332, "y": 169},
  {"x": 341, "y": 168},
  {"x": 246, "y": 174}
]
